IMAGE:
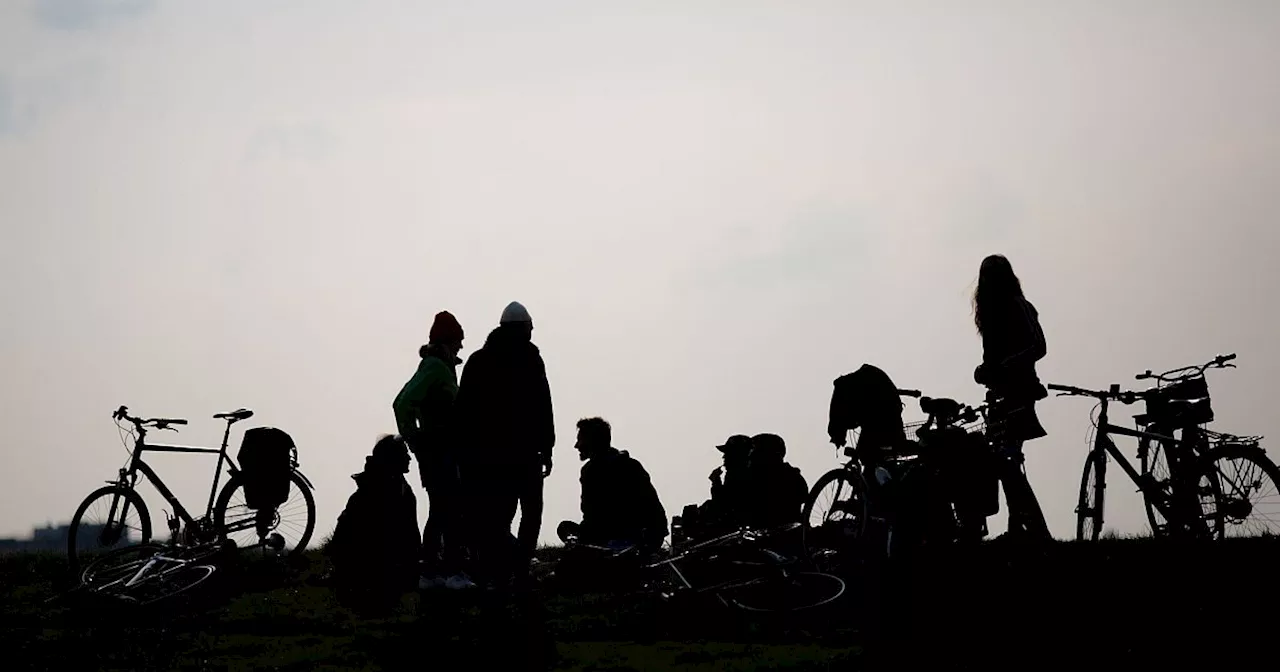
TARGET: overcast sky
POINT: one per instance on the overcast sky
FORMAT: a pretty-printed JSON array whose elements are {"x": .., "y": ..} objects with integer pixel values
[{"x": 711, "y": 210}]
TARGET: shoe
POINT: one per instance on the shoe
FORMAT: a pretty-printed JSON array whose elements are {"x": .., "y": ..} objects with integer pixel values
[
  {"x": 459, "y": 582},
  {"x": 429, "y": 583}
]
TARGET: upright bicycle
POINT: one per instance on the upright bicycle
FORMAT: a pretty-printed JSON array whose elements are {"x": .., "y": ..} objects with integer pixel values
[
  {"x": 1180, "y": 404},
  {"x": 116, "y": 515},
  {"x": 1198, "y": 496}
]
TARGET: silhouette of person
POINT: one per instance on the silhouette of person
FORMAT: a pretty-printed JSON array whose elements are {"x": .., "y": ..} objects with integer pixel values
[
  {"x": 375, "y": 545},
  {"x": 505, "y": 419},
  {"x": 619, "y": 503},
  {"x": 776, "y": 491},
  {"x": 424, "y": 416},
  {"x": 1012, "y": 343}
]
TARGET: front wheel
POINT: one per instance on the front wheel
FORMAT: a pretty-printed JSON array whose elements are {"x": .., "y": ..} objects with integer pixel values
[
  {"x": 786, "y": 592},
  {"x": 835, "y": 516},
  {"x": 109, "y": 518},
  {"x": 294, "y": 520},
  {"x": 1089, "y": 507}
]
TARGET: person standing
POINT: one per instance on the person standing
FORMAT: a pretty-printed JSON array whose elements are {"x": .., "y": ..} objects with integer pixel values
[
  {"x": 506, "y": 421},
  {"x": 424, "y": 411},
  {"x": 1012, "y": 343}
]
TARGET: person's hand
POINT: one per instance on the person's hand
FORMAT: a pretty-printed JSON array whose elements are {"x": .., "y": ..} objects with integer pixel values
[
  {"x": 546, "y": 466},
  {"x": 717, "y": 476},
  {"x": 980, "y": 374}
]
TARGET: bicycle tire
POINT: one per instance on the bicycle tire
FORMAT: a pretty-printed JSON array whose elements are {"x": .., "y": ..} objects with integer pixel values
[
  {"x": 167, "y": 584},
  {"x": 818, "y": 589},
  {"x": 1092, "y": 481},
  {"x": 130, "y": 498},
  {"x": 818, "y": 541},
  {"x": 1155, "y": 468},
  {"x": 111, "y": 565},
  {"x": 237, "y": 483},
  {"x": 1236, "y": 451}
]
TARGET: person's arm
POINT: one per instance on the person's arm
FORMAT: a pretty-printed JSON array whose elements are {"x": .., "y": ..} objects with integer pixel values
[
  {"x": 546, "y": 431},
  {"x": 406, "y": 403},
  {"x": 1030, "y": 337}
]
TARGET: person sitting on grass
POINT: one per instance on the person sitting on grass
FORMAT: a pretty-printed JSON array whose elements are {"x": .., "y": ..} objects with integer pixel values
[
  {"x": 620, "y": 507},
  {"x": 376, "y": 543}
]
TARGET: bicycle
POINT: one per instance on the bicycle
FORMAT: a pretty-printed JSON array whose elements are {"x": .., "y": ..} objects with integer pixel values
[
  {"x": 1181, "y": 402},
  {"x": 221, "y": 518},
  {"x": 147, "y": 573},
  {"x": 765, "y": 581},
  {"x": 844, "y": 521},
  {"x": 1174, "y": 500}
]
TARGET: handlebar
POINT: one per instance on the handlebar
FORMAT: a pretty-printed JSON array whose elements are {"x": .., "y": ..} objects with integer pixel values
[
  {"x": 122, "y": 413},
  {"x": 1113, "y": 394},
  {"x": 1219, "y": 362},
  {"x": 909, "y": 393}
]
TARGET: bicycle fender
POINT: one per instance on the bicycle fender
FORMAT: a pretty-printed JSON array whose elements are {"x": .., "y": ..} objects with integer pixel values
[{"x": 304, "y": 479}]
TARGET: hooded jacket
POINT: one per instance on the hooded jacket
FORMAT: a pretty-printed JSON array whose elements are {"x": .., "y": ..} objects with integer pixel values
[
  {"x": 378, "y": 530},
  {"x": 503, "y": 407},
  {"x": 424, "y": 406}
]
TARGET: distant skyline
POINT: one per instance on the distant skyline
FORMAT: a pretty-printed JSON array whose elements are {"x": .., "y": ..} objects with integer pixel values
[{"x": 710, "y": 211}]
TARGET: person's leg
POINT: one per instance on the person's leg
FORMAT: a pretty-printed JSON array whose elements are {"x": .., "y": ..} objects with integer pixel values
[
  {"x": 495, "y": 500},
  {"x": 433, "y": 529},
  {"x": 1025, "y": 515},
  {"x": 530, "y": 511}
]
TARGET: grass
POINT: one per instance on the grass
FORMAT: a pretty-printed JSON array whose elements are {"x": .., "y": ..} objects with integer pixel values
[{"x": 1120, "y": 601}]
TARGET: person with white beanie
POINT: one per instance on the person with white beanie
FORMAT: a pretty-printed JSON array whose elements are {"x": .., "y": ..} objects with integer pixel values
[{"x": 507, "y": 430}]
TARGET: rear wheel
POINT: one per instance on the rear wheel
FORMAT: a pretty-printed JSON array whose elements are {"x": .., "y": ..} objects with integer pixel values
[
  {"x": 109, "y": 518},
  {"x": 835, "y": 516},
  {"x": 1089, "y": 505},
  {"x": 1247, "y": 493},
  {"x": 787, "y": 592},
  {"x": 116, "y": 565},
  {"x": 294, "y": 520}
]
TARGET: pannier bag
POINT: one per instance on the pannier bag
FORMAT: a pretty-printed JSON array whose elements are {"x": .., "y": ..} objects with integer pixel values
[{"x": 266, "y": 462}]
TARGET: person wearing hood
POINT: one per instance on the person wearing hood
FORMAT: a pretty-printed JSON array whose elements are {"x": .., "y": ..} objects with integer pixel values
[
  {"x": 777, "y": 490},
  {"x": 506, "y": 424},
  {"x": 424, "y": 416},
  {"x": 375, "y": 545}
]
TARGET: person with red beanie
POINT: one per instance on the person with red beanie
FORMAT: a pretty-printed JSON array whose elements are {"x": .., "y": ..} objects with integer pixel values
[{"x": 424, "y": 417}]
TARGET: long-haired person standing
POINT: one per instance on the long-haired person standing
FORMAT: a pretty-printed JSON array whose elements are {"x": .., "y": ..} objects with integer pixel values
[{"x": 1012, "y": 343}]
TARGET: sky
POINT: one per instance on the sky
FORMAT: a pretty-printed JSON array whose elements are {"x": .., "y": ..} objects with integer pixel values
[{"x": 711, "y": 210}]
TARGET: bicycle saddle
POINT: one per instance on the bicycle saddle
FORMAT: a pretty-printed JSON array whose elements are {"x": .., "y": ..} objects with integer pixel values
[{"x": 234, "y": 416}]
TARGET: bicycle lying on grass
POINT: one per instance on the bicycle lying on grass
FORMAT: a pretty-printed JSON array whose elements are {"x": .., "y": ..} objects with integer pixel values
[
  {"x": 1198, "y": 497},
  {"x": 144, "y": 574},
  {"x": 223, "y": 517},
  {"x": 737, "y": 569}
]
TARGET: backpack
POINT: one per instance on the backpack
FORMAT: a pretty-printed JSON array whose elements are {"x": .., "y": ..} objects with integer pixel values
[{"x": 266, "y": 462}]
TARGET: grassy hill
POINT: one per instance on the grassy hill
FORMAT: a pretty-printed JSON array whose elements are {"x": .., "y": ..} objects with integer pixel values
[{"x": 1116, "y": 602}]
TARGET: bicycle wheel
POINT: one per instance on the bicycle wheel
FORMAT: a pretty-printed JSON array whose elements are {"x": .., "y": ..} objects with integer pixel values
[
  {"x": 786, "y": 592},
  {"x": 166, "y": 583},
  {"x": 835, "y": 516},
  {"x": 108, "y": 518},
  {"x": 1089, "y": 506},
  {"x": 117, "y": 565},
  {"x": 1248, "y": 490},
  {"x": 295, "y": 519}
]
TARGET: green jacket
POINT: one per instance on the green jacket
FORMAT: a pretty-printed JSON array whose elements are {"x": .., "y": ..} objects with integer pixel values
[{"x": 424, "y": 407}]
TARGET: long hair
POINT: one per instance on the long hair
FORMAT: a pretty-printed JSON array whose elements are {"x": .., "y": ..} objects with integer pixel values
[{"x": 997, "y": 285}]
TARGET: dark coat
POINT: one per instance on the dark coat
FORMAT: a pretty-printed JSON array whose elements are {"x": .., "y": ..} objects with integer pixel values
[
  {"x": 1012, "y": 343},
  {"x": 619, "y": 502},
  {"x": 377, "y": 538},
  {"x": 777, "y": 495},
  {"x": 503, "y": 407}
]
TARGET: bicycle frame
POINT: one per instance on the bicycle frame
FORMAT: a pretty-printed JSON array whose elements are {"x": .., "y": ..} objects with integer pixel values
[
  {"x": 1103, "y": 443},
  {"x": 129, "y": 475},
  {"x": 745, "y": 535}
]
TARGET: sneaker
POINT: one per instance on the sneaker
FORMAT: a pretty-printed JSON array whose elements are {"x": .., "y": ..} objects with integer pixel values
[
  {"x": 429, "y": 583},
  {"x": 459, "y": 582}
]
